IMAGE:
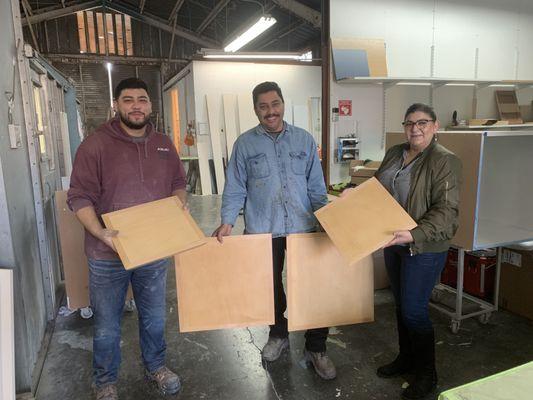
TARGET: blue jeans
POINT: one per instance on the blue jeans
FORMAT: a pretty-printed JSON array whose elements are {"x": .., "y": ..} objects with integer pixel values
[
  {"x": 412, "y": 280},
  {"x": 108, "y": 285}
]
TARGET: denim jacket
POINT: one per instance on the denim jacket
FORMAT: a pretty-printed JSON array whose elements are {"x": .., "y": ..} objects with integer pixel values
[{"x": 278, "y": 181}]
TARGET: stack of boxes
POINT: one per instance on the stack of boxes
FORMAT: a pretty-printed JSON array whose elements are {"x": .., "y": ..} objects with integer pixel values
[{"x": 361, "y": 170}]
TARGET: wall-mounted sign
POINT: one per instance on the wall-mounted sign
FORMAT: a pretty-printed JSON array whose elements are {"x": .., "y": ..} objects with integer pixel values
[{"x": 345, "y": 108}]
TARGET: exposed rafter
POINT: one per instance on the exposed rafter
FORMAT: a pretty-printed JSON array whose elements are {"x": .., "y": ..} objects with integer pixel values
[
  {"x": 141, "y": 6},
  {"x": 60, "y": 12},
  {"x": 94, "y": 58},
  {"x": 302, "y": 11},
  {"x": 212, "y": 15},
  {"x": 163, "y": 25},
  {"x": 175, "y": 10},
  {"x": 288, "y": 30}
]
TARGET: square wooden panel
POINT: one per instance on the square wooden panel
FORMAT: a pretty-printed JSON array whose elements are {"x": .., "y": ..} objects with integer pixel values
[
  {"x": 227, "y": 285},
  {"x": 364, "y": 220},
  {"x": 322, "y": 289},
  {"x": 152, "y": 231}
]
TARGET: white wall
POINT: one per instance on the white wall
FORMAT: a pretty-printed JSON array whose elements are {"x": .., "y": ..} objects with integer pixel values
[
  {"x": 498, "y": 33},
  {"x": 215, "y": 78}
]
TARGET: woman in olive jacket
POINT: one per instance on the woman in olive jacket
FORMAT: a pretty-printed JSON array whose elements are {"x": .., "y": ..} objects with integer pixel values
[{"x": 424, "y": 177}]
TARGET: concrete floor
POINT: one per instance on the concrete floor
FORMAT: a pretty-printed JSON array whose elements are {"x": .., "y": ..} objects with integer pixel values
[{"x": 226, "y": 364}]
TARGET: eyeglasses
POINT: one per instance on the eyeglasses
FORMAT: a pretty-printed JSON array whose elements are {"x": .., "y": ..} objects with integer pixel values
[{"x": 420, "y": 124}]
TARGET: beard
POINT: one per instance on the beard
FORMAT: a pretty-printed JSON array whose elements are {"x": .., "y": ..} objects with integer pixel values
[{"x": 134, "y": 124}]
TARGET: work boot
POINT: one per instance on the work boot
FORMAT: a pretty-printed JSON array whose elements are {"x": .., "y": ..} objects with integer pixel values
[
  {"x": 322, "y": 364},
  {"x": 404, "y": 362},
  {"x": 274, "y": 347},
  {"x": 166, "y": 381},
  {"x": 107, "y": 392},
  {"x": 425, "y": 373}
]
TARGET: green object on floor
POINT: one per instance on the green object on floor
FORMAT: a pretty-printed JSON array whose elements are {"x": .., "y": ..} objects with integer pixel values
[{"x": 515, "y": 384}]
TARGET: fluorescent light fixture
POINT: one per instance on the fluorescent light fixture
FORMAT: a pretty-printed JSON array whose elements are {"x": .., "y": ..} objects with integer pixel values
[
  {"x": 251, "y": 33},
  {"x": 219, "y": 54}
]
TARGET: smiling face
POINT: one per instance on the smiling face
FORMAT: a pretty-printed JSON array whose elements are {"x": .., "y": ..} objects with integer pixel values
[
  {"x": 269, "y": 110},
  {"x": 420, "y": 130},
  {"x": 134, "y": 108}
]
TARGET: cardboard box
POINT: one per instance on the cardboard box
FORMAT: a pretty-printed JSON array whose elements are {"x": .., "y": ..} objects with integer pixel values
[
  {"x": 357, "y": 180},
  {"x": 361, "y": 168},
  {"x": 516, "y": 281}
]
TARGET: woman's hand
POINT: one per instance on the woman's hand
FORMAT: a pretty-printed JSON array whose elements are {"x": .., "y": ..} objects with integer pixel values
[{"x": 401, "y": 237}]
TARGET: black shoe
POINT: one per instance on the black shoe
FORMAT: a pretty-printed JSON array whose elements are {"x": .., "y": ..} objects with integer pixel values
[
  {"x": 424, "y": 384},
  {"x": 401, "y": 365},
  {"x": 424, "y": 356}
]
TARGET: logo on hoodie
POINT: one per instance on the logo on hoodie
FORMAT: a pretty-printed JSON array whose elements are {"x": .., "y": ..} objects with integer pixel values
[{"x": 163, "y": 152}]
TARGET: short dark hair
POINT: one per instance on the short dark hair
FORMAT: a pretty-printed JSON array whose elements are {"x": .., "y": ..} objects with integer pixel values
[
  {"x": 129, "y": 83},
  {"x": 266, "y": 87},
  {"x": 423, "y": 108}
]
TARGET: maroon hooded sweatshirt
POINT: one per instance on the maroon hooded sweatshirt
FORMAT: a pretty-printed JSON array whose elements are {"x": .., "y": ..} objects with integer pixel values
[{"x": 113, "y": 170}]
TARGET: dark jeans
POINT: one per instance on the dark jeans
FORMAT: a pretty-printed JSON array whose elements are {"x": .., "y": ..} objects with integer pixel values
[
  {"x": 315, "y": 339},
  {"x": 412, "y": 280},
  {"x": 108, "y": 284}
]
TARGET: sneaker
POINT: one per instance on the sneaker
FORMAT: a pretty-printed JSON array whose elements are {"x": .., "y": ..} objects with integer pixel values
[
  {"x": 166, "y": 381},
  {"x": 274, "y": 347},
  {"x": 107, "y": 392},
  {"x": 323, "y": 365}
]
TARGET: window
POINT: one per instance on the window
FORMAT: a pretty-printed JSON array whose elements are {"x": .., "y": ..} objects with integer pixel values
[{"x": 98, "y": 31}]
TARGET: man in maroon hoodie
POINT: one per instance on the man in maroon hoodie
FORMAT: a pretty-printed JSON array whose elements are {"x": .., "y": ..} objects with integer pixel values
[{"x": 122, "y": 164}]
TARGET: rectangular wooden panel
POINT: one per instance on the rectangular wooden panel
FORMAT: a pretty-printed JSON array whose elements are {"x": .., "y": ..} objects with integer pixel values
[
  {"x": 71, "y": 240},
  {"x": 74, "y": 261},
  {"x": 226, "y": 285},
  {"x": 364, "y": 220},
  {"x": 466, "y": 146},
  {"x": 247, "y": 117},
  {"x": 152, "y": 231},
  {"x": 7, "y": 336},
  {"x": 213, "y": 110},
  {"x": 374, "y": 49},
  {"x": 230, "y": 121},
  {"x": 203, "y": 162},
  {"x": 322, "y": 289}
]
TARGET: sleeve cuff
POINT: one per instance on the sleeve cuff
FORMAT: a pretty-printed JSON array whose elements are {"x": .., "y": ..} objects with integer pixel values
[
  {"x": 78, "y": 204},
  {"x": 418, "y": 235}
]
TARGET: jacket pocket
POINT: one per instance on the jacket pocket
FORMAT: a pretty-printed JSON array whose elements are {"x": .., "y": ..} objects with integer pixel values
[
  {"x": 258, "y": 166},
  {"x": 298, "y": 162}
]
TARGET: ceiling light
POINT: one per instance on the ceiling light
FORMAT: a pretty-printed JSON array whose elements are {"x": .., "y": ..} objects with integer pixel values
[
  {"x": 251, "y": 33},
  {"x": 218, "y": 54}
]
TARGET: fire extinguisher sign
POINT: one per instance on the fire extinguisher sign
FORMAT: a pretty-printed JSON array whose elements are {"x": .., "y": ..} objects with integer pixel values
[{"x": 345, "y": 108}]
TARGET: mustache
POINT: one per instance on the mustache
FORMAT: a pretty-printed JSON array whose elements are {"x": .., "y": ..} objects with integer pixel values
[{"x": 271, "y": 115}]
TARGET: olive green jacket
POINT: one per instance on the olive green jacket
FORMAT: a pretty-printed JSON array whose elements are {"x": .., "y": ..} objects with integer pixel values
[{"x": 433, "y": 200}]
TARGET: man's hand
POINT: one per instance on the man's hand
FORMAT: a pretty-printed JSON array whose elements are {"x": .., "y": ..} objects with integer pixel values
[
  {"x": 222, "y": 230},
  {"x": 401, "y": 237},
  {"x": 106, "y": 236}
]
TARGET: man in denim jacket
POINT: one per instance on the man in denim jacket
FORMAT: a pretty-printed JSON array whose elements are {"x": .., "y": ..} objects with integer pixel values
[{"x": 274, "y": 173}]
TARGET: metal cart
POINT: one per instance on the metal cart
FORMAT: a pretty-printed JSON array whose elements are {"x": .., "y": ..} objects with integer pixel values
[{"x": 485, "y": 308}]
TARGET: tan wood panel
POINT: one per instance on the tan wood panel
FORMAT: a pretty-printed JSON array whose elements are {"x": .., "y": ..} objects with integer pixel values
[
  {"x": 213, "y": 113},
  {"x": 375, "y": 50},
  {"x": 152, "y": 231},
  {"x": 466, "y": 146},
  {"x": 226, "y": 285},
  {"x": 230, "y": 121},
  {"x": 322, "y": 289},
  {"x": 71, "y": 240},
  {"x": 74, "y": 261},
  {"x": 364, "y": 220},
  {"x": 7, "y": 336}
]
